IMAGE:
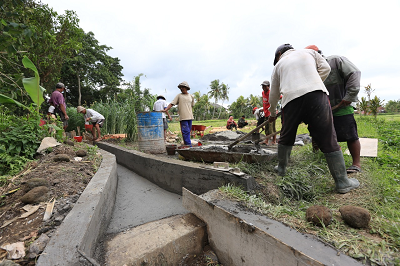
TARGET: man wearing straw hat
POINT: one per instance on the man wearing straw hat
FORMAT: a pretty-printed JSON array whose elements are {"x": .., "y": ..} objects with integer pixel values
[
  {"x": 159, "y": 106},
  {"x": 185, "y": 102},
  {"x": 96, "y": 118}
]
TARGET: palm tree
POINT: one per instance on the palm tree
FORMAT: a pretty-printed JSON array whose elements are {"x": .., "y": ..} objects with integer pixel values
[
  {"x": 375, "y": 103},
  {"x": 215, "y": 92},
  {"x": 224, "y": 96},
  {"x": 255, "y": 101},
  {"x": 364, "y": 105}
]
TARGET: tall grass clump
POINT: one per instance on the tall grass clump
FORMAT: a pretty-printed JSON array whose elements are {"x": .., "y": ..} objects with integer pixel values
[{"x": 121, "y": 112}]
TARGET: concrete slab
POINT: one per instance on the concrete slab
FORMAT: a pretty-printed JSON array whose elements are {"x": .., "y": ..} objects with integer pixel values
[
  {"x": 369, "y": 147},
  {"x": 164, "y": 242},
  {"x": 240, "y": 237},
  {"x": 139, "y": 201}
]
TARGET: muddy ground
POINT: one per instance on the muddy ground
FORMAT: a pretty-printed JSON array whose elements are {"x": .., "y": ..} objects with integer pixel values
[{"x": 63, "y": 179}]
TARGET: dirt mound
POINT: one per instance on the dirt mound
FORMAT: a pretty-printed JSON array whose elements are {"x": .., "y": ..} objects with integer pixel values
[{"x": 65, "y": 181}]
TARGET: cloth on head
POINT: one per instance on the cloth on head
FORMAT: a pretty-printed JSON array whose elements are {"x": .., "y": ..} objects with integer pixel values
[
  {"x": 265, "y": 82},
  {"x": 313, "y": 47}
]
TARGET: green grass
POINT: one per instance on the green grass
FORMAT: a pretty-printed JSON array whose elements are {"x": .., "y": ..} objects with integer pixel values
[{"x": 308, "y": 182}]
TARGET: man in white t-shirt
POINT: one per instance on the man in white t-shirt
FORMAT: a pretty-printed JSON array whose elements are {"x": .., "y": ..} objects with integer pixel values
[
  {"x": 159, "y": 106},
  {"x": 185, "y": 102},
  {"x": 96, "y": 118}
]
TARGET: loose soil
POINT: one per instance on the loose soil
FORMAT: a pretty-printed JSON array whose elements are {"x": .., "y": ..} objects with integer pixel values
[{"x": 65, "y": 182}]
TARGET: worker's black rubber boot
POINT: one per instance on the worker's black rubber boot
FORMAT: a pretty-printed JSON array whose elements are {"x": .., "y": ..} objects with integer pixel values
[
  {"x": 337, "y": 168},
  {"x": 283, "y": 158}
]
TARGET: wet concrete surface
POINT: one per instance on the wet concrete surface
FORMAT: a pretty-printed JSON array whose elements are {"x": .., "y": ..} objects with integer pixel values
[{"x": 139, "y": 201}]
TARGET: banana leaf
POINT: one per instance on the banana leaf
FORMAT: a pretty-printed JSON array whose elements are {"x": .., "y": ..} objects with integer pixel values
[
  {"x": 5, "y": 99},
  {"x": 31, "y": 85}
]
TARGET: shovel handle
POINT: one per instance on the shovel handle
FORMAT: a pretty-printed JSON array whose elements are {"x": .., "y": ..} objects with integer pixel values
[
  {"x": 267, "y": 137},
  {"x": 251, "y": 132}
]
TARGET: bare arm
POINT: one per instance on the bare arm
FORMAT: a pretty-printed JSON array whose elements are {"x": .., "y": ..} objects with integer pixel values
[
  {"x": 168, "y": 107},
  {"x": 62, "y": 108}
]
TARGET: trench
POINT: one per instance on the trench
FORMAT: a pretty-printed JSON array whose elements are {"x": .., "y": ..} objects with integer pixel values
[{"x": 147, "y": 194}]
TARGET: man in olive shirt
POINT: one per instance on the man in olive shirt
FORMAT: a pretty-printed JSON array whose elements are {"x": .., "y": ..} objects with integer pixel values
[
  {"x": 343, "y": 84},
  {"x": 185, "y": 102}
]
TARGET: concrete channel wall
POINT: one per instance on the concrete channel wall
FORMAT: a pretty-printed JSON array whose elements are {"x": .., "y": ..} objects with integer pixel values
[
  {"x": 87, "y": 221},
  {"x": 172, "y": 175},
  {"x": 240, "y": 237}
]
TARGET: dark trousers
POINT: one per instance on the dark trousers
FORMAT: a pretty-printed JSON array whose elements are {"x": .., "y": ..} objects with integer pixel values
[{"x": 315, "y": 111}]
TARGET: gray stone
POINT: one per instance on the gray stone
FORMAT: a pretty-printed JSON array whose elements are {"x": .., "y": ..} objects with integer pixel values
[
  {"x": 81, "y": 153},
  {"x": 35, "y": 182},
  {"x": 355, "y": 217},
  {"x": 9, "y": 263},
  {"x": 319, "y": 215},
  {"x": 36, "y": 195},
  {"x": 38, "y": 246},
  {"x": 61, "y": 158},
  {"x": 69, "y": 142},
  {"x": 58, "y": 219}
]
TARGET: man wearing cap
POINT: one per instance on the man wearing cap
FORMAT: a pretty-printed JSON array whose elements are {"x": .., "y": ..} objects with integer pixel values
[
  {"x": 298, "y": 75},
  {"x": 343, "y": 85},
  {"x": 57, "y": 100},
  {"x": 159, "y": 106},
  {"x": 270, "y": 127},
  {"x": 185, "y": 102},
  {"x": 96, "y": 118}
]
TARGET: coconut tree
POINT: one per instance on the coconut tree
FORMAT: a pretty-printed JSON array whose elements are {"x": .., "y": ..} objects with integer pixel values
[
  {"x": 224, "y": 96},
  {"x": 215, "y": 92},
  {"x": 375, "y": 103},
  {"x": 364, "y": 105}
]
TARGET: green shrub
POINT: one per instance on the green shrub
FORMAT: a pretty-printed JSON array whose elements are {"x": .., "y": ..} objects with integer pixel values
[{"x": 19, "y": 139}]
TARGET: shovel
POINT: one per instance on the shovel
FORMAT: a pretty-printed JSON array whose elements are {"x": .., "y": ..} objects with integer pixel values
[
  {"x": 251, "y": 132},
  {"x": 257, "y": 142}
]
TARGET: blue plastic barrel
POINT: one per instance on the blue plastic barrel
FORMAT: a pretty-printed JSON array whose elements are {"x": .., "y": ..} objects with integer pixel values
[{"x": 151, "y": 132}]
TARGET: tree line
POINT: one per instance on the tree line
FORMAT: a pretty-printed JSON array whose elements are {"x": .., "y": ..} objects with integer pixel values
[{"x": 61, "y": 51}]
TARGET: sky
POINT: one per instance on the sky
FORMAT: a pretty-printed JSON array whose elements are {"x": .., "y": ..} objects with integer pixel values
[{"x": 235, "y": 41}]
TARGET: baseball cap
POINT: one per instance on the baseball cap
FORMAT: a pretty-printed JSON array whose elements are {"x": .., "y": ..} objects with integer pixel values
[
  {"x": 281, "y": 49},
  {"x": 265, "y": 82}
]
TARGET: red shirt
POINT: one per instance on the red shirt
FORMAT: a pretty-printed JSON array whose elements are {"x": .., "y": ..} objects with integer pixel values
[{"x": 266, "y": 105}]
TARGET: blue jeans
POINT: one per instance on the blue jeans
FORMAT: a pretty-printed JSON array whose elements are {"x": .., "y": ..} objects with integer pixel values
[{"x": 186, "y": 128}]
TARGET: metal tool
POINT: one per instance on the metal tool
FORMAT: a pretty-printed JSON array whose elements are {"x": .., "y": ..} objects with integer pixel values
[{"x": 248, "y": 134}]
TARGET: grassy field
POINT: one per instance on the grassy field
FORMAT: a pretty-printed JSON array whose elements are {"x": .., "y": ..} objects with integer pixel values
[{"x": 308, "y": 182}]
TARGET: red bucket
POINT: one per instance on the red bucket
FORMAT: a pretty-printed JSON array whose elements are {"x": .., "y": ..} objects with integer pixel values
[
  {"x": 88, "y": 127},
  {"x": 78, "y": 138}
]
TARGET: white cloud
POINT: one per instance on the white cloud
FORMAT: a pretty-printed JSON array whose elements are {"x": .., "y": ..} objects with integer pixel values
[{"x": 235, "y": 41}]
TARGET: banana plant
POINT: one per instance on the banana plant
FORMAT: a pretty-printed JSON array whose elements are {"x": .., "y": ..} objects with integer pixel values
[{"x": 31, "y": 85}]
